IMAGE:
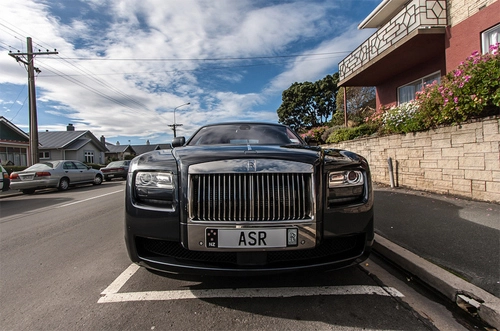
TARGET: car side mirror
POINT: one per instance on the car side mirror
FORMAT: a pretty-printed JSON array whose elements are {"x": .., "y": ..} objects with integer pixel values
[
  {"x": 310, "y": 141},
  {"x": 178, "y": 141}
]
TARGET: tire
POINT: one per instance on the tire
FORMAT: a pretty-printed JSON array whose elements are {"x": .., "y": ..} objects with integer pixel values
[
  {"x": 97, "y": 180},
  {"x": 63, "y": 184},
  {"x": 107, "y": 179},
  {"x": 28, "y": 191}
]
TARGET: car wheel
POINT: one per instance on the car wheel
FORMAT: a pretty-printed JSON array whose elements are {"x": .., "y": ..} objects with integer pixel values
[
  {"x": 98, "y": 180},
  {"x": 28, "y": 191},
  {"x": 63, "y": 184}
]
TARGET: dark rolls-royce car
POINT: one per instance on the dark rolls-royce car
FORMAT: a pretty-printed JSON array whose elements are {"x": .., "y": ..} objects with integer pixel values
[{"x": 248, "y": 198}]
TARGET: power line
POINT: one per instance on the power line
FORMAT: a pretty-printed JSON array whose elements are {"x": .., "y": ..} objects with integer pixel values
[{"x": 205, "y": 59}]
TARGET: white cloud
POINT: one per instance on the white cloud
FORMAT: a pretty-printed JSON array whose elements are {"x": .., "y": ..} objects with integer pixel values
[{"x": 119, "y": 97}]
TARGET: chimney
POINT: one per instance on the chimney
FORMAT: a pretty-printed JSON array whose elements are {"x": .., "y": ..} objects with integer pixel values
[
  {"x": 70, "y": 127},
  {"x": 103, "y": 140}
]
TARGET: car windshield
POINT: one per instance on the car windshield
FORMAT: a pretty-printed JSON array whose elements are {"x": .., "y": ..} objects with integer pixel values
[
  {"x": 42, "y": 166},
  {"x": 117, "y": 164},
  {"x": 243, "y": 134}
]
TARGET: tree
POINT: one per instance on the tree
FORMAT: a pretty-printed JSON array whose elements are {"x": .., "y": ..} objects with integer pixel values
[
  {"x": 358, "y": 99},
  {"x": 307, "y": 104}
]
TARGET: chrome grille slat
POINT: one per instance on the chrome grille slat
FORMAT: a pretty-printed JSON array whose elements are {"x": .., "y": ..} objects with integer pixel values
[{"x": 260, "y": 197}]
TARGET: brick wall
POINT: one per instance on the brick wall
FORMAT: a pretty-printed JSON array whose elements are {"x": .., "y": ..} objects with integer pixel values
[{"x": 458, "y": 160}]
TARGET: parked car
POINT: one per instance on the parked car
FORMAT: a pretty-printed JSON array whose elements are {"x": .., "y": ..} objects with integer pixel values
[
  {"x": 116, "y": 169},
  {"x": 248, "y": 198},
  {"x": 4, "y": 180},
  {"x": 59, "y": 174}
]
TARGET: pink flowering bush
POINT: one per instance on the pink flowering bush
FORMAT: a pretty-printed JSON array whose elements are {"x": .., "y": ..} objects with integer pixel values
[
  {"x": 315, "y": 133},
  {"x": 471, "y": 90}
]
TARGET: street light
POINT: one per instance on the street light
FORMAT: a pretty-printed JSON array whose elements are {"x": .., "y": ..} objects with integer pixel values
[{"x": 174, "y": 126}]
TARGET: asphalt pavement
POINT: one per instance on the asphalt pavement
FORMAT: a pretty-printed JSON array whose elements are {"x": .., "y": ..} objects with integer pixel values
[{"x": 450, "y": 244}]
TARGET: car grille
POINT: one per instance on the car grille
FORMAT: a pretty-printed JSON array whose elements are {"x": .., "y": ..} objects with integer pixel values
[{"x": 251, "y": 197}]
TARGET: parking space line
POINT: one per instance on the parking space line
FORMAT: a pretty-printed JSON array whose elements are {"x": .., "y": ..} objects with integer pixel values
[
  {"x": 110, "y": 294},
  {"x": 96, "y": 197}
]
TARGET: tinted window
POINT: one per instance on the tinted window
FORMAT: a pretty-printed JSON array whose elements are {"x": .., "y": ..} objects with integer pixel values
[{"x": 242, "y": 134}]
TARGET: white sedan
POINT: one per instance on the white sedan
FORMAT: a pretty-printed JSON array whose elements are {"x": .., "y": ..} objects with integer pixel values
[{"x": 59, "y": 174}]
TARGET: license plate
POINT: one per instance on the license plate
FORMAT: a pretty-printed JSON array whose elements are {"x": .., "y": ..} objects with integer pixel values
[
  {"x": 29, "y": 177},
  {"x": 252, "y": 238},
  {"x": 111, "y": 175}
]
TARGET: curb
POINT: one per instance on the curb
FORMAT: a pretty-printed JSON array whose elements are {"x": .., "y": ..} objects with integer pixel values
[
  {"x": 9, "y": 193},
  {"x": 466, "y": 295}
]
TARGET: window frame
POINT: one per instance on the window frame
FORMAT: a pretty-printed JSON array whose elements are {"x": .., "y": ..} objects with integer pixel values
[
  {"x": 486, "y": 38},
  {"x": 421, "y": 81},
  {"x": 44, "y": 155},
  {"x": 89, "y": 156}
]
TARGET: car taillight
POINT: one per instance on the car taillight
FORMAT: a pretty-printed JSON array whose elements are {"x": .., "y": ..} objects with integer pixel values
[
  {"x": 5, "y": 175},
  {"x": 14, "y": 176},
  {"x": 43, "y": 174}
]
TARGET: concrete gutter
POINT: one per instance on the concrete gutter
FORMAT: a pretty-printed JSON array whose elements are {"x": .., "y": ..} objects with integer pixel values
[{"x": 467, "y": 296}]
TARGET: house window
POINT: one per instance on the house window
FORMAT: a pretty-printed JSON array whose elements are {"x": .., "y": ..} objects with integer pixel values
[
  {"x": 489, "y": 38},
  {"x": 44, "y": 155},
  {"x": 89, "y": 157},
  {"x": 408, "y": 92}
]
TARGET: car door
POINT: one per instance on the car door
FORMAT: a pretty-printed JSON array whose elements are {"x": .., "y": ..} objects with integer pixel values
[
  {"x": 71, "y": 171},
  {"x": 86, "y": 175}
]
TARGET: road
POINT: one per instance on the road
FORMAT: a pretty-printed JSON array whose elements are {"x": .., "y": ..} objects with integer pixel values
[{"x": 64, "y": 266}]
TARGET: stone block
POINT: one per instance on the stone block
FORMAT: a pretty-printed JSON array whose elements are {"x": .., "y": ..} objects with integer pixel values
[
  {"x": 433, "y": 174},
  {"x": 452, "y": 152},
  {"x": 470, "y": 162},
  {"x": 478, "y": 175},
  {"x": 446, "y": 164},
  {"x": 465, "y": 137},
  {"x": 493, "y": 187}
]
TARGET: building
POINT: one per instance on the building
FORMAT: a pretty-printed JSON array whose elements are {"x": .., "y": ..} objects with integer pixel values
[
  {"x": 121, "y": 152},
  {"x": 416, "y": 43},
  {"x": 71, "y": 145},
  {"x": 14, "y": 144}
]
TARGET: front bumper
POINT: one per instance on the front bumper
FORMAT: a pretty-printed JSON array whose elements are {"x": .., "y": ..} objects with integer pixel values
[{"x": 167, "y": 256}]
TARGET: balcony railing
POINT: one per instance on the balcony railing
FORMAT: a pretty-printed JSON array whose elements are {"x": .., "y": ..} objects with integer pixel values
[{"x": 417, "y": 14}]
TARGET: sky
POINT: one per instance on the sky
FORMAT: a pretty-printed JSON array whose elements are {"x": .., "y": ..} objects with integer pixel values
[{"x": 126, "y": 68}]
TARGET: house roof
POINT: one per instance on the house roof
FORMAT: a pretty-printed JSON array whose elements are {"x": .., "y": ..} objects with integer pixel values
[
  {"x": 382, "y": 14},
  {"x": 140, "y": 149},
  {"x": 117, "y": 148},
  {"x": 10, "y": 132},
  {"x": 71, "y": 140}
]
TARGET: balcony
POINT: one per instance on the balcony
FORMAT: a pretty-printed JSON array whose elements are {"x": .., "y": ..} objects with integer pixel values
[{"x": 414, "y": 35}]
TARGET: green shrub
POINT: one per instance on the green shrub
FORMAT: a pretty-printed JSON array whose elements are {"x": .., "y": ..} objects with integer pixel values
[{"x": 351, "y": 133}]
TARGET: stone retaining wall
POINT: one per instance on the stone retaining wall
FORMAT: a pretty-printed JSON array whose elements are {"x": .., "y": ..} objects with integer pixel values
[{"x": 458, "y": 160}]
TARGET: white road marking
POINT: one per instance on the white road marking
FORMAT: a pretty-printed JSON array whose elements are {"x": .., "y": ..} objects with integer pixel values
[
  {"x": 111, "y": 294},
  {"x": 96, "y": 197}
]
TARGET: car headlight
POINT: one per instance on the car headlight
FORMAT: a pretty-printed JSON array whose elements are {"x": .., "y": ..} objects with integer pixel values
[
  {"x": 155, "y": 189},
  {"x": 154, "y": 179},
  {"x": 345, "y": 187},
  {"x": 345, "y": 178}
]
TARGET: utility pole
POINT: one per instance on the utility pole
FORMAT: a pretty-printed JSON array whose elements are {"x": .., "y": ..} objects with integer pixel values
[
  {"x": 175, "y": 125},
  {"x": 28, "y": 59}
]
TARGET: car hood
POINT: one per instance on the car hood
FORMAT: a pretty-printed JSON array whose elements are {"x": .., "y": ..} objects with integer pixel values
[{"x": 189, "y": 155}]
